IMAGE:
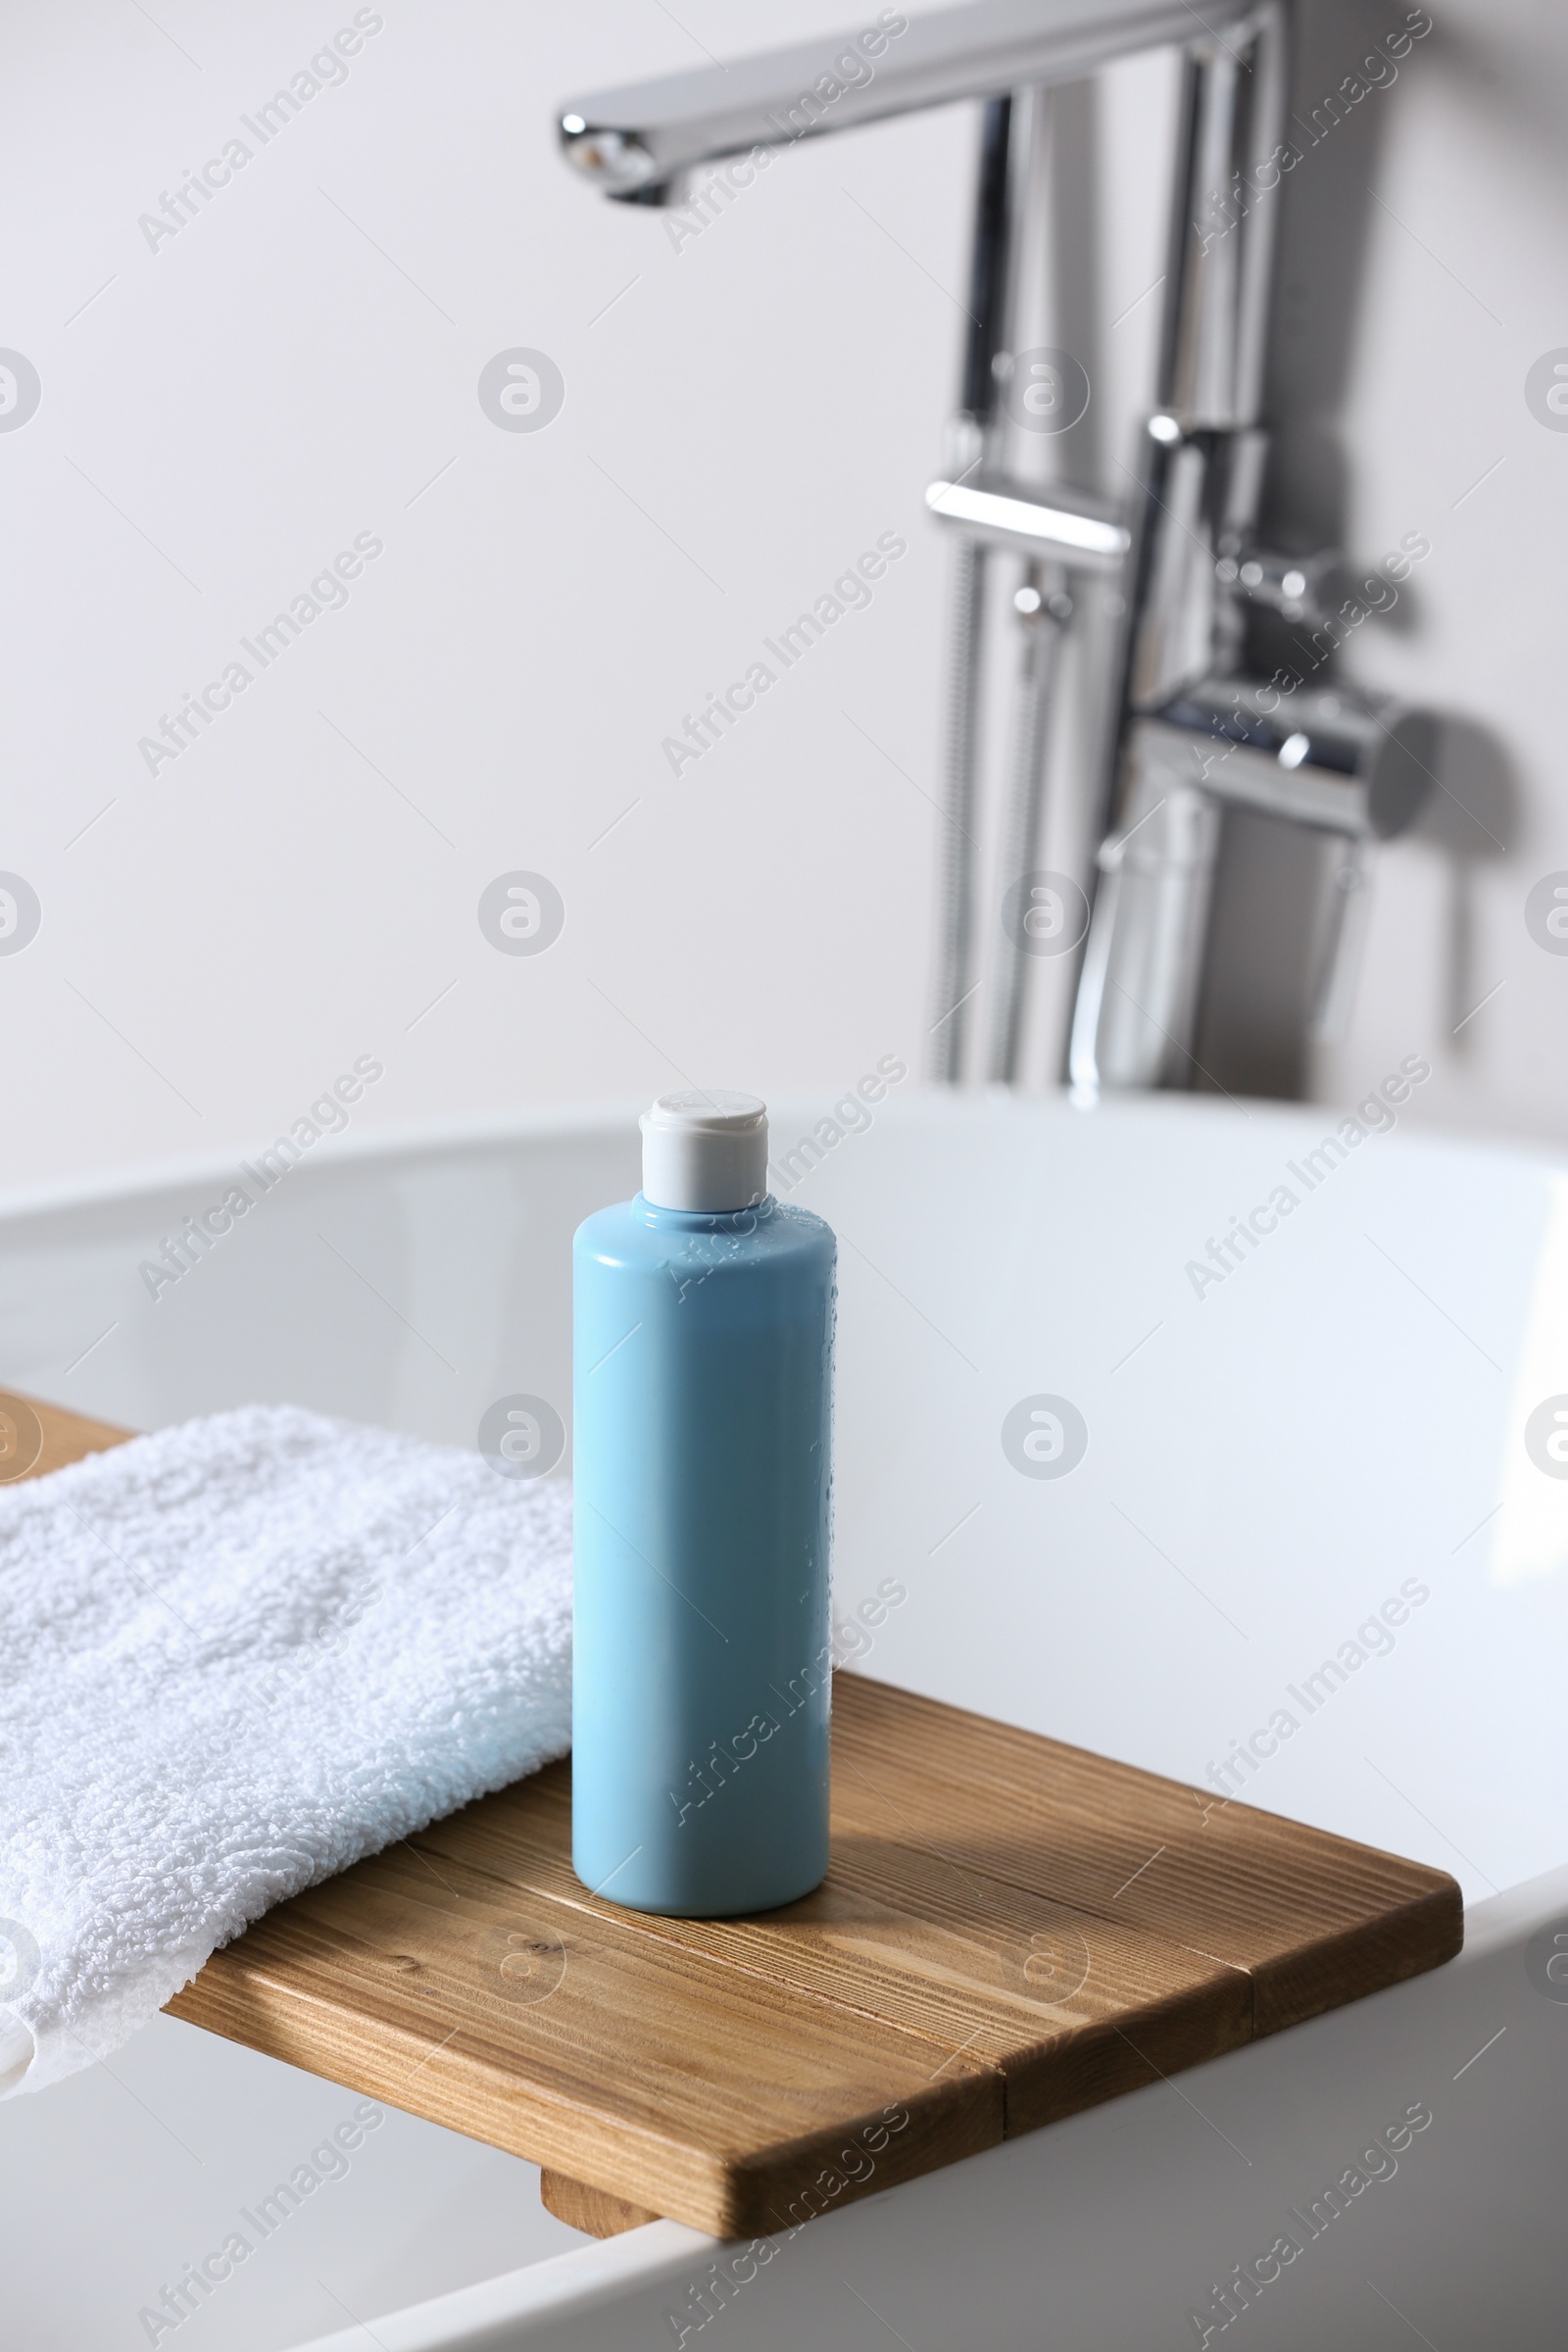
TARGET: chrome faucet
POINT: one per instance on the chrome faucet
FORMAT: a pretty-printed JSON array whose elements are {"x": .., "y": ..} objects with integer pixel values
[{"x": 1180, "y": 731}]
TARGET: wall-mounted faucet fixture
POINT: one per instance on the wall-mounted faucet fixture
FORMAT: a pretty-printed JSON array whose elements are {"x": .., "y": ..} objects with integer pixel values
[{"x": 1182, "y": 731}]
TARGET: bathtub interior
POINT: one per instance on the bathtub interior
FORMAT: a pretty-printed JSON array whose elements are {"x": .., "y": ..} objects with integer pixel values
[
  {"x": 1272, "y": 1454},
  {"x": 127, "y": 2178}
]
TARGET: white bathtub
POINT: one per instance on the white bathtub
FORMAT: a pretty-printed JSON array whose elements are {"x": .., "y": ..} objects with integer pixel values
[{"x": 1273, "y": 1452}]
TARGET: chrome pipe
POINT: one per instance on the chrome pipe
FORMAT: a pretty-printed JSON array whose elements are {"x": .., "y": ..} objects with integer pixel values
[
  {"x": 971, "y": 438},
  {"x": 1339, "y": 764},
  {"x": 1344, "y": 939},
  {"x": 957, "y": 857},
  {"x": 1042, "y": 616},
  {"x": 1149, "y": 947},
  {"x": 1196, "y": 506},
  {"x": 636, "y": 142},
  {"x": 1089, "y": 1002},
  {"x": 1204, "y": 453}
]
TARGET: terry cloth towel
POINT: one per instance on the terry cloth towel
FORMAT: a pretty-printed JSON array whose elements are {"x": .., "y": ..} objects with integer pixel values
[{"x": 234, "y": 1657}]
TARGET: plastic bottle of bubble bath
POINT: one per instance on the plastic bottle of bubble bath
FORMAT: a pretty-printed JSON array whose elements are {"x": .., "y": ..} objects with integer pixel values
[{"x": 702, "y": 1340}]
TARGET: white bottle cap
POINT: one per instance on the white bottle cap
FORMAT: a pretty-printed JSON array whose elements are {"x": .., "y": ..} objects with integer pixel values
[{"x": 704, "y": 1150}]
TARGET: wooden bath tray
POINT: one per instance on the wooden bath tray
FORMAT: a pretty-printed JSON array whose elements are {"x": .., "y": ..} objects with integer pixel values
[{"x": 1010, "y": 1931}]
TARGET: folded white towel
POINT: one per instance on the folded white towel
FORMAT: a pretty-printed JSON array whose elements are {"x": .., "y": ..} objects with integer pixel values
[{"x": 234, "y": 1657}]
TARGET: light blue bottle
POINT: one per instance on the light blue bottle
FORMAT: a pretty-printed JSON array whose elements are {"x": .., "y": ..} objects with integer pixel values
[{"x": 703, "y": 1647}]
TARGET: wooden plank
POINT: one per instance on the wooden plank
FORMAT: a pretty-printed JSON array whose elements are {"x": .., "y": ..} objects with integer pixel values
[
  {"x": 1011, "y": 1929},
  {"x": 705, "y": 2093},
  {"x": 1070, "y": 2008},
  {"x": 36, "y": 1438},
  {"x": 1314, "y": 1919},
  {"x": 594, "y": 2211}
]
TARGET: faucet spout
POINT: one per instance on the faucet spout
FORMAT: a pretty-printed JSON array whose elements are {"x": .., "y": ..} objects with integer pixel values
[
  {"x": 635, "y": 143},
  {"x": 1181, "y": 560}
]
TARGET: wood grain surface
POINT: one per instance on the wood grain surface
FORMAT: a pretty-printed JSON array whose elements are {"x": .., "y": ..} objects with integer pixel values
[
  {"x": 1010, "y": 1931},
  {"x": 594, "y": 2211},
  {"x": 36, "y": 1437}
]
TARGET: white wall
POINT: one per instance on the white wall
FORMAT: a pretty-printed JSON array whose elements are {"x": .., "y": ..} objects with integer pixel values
[
  {"x": 743, "y": 417},
  {"x": 1464, "y": 290}
]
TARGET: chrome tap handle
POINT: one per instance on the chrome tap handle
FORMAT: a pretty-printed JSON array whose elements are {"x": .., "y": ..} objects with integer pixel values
[
  {"x": 1069, "y": 527},
  {"x": 1326, "y": 758}
]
